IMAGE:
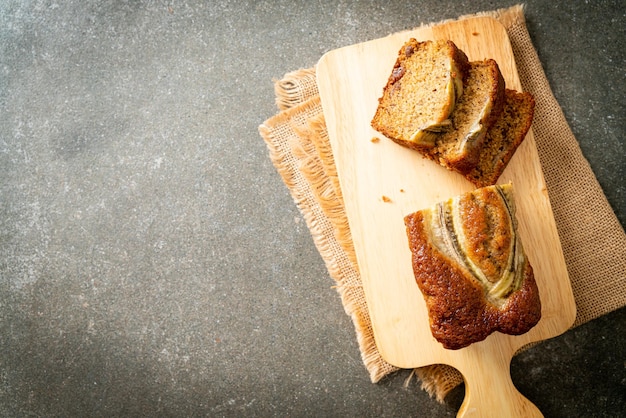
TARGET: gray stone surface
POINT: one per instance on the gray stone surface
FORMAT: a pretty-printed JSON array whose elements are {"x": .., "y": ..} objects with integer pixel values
[{"x": 152, "y": 263}]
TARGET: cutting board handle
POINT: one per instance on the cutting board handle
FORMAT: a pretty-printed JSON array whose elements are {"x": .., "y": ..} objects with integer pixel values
[{"x": 489, "y": 390}]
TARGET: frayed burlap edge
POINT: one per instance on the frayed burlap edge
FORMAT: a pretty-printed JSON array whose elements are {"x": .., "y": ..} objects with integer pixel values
[
  {"x": 294, "y": 157},
  {"x": 294, "y": 88},
  {"x": 318, "y": 167}
]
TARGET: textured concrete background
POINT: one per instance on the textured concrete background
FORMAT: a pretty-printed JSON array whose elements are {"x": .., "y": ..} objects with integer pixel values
[{"x": 152, "y": 263}]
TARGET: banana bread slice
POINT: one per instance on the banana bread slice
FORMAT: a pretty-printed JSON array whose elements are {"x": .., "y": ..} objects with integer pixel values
[
  {"x": 471, "y": 268},
  {"x": 503, "y": 138},
  {"x": 421, "y": 92},
  {"x": 475, "y": 112}
]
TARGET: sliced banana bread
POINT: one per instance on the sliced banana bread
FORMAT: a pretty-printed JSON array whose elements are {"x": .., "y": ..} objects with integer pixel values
[
  {"x": 475, "y": 112},
  {"x": 421, "y": 92},
  {"x": 455, "y": 112},
  {"x": 503, "y": 138}
]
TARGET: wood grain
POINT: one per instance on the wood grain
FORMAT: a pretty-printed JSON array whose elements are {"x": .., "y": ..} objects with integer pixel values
[{"x": 382, "y": 182}]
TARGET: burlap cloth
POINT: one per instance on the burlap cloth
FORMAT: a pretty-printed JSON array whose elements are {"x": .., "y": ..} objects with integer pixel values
[{"x": 593, "y": 240}]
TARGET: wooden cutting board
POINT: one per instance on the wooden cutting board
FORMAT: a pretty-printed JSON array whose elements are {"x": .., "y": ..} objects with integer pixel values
[{"x": 350, "y": 81}]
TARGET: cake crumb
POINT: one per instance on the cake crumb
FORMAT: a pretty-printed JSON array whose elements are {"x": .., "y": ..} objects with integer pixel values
[
  {"x": 386, "y": 199},
  {"x": 401, "y": 190},
  {"x": 375, "y": 140}
]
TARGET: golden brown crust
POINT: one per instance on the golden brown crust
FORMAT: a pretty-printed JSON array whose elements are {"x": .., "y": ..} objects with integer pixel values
[{"x": 459, "y": 308}]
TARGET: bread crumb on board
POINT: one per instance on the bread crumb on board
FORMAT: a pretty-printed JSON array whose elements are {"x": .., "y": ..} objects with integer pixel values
[
  {"x": 386, "y": 199},
  {"x": 375, "y": 140}
]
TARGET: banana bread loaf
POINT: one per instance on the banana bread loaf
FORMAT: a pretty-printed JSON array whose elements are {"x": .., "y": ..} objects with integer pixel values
[{"x": 471, "y": 268}]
